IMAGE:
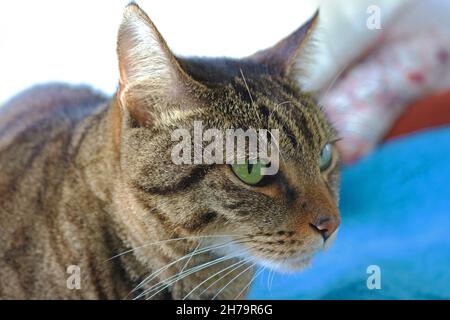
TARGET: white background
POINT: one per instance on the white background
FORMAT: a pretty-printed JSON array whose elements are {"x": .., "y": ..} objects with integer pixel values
[{"x": 74, "y": 40}]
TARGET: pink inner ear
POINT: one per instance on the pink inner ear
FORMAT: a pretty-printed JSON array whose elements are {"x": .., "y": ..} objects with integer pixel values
[{"x": 282, "y": 56}]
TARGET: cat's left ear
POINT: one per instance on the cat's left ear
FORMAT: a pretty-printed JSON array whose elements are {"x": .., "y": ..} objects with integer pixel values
[{"x": 287, "y": 56}]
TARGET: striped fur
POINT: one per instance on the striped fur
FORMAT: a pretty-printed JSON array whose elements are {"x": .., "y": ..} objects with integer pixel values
[{"x": 84, "y": 178}]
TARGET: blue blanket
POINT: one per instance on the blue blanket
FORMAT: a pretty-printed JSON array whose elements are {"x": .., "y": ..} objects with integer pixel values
[{"x": 395, "y": 207}]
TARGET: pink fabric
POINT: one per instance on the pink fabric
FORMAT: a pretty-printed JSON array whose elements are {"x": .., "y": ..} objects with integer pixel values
[{"x": 364, "y": 103}]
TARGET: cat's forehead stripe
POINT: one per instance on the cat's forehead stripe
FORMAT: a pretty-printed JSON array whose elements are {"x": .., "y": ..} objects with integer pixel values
[{"x": 297, "y": 120}]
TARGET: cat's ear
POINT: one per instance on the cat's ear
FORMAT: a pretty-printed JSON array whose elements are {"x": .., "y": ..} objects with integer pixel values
[
  {"x": 287, "y": 56},
  {"x": 151, "y": 78}
]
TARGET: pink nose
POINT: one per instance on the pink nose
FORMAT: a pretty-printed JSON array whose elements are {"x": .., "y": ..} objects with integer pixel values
[{"x": 326, "y": 225}]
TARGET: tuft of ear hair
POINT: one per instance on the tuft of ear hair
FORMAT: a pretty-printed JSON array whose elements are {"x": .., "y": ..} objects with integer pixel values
[
  {"x": 150, "y": 75},
  {"x": 286, "y": 58}
]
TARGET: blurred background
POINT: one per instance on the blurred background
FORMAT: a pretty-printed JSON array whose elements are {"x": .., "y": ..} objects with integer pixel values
[{"x": 380, "y": 69}]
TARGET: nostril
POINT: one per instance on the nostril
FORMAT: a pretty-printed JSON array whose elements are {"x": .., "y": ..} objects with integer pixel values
[
  {"x": 323, "y": 232},
  {"x": 325, "y": 226}
]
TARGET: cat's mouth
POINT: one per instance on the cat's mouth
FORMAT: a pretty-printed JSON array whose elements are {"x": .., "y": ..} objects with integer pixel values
[
  {"x": 278, "y": 257},
  {"x": 279, "y": 250}
]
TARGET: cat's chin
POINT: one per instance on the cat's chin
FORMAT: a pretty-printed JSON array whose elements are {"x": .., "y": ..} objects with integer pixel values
[{"x": 289, "y": 265}]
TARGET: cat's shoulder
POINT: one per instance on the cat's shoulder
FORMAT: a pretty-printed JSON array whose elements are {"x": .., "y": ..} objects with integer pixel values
[
  {"x": 50, "y": 97},
  {"x": 39, "y": 104}
]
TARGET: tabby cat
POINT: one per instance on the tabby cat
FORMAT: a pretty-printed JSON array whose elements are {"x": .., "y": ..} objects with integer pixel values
[{"x": 93, "y": 207}]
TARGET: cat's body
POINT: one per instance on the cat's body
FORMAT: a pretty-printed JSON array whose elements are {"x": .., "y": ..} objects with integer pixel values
[
  {"x": 54, "y": 209},
  {"x": 84, "y": 178}
]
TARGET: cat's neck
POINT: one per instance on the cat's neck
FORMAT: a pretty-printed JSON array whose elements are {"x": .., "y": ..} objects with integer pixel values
[
  {"x": 98, "y": 160},
  {"x": 96, "y": 155}
]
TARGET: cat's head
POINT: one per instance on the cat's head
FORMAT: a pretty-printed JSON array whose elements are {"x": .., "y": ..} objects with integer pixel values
[{"x": 279, "y": 220}]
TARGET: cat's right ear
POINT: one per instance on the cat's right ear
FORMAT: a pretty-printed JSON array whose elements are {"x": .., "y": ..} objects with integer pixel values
[
  {"x": 151, "y": 79},
  {"x": 289, "y": 56}
]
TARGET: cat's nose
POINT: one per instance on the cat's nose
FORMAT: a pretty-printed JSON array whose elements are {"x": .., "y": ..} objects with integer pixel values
[{"x": 326, "y": 225}]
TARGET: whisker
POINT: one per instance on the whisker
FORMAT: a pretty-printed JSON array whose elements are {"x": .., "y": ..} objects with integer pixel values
[
  {"x": 189, "y": 255},
  {"x": 239, "y": 264},
  {"x": 184, "y": 273},
  {"x": 171, "y": 280},
  {"x": 253, "y": 278},
  {"x": 223, "y": 276},
  {"x": 168, "y": 240},
  {"x": 268, "y": 277},
  {"x": 272, "y": 275},
  {"x": 333, "y": 81},
  {"x": 249, "y": 283},
  {"x": 241, "y": 273},
  {"x": 250, "y": 95}
]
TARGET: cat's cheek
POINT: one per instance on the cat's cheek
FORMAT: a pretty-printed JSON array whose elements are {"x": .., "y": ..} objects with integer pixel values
[{"x": 146, "y": 163}]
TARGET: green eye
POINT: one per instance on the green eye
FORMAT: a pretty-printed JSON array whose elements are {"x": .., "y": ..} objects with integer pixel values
[
  {"x": 326, "y": 157},
  {"x": 248, "y": 173}
]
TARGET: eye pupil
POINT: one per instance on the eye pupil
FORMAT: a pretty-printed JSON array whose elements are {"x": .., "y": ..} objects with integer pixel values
[{"x": 248, "y": 172}]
